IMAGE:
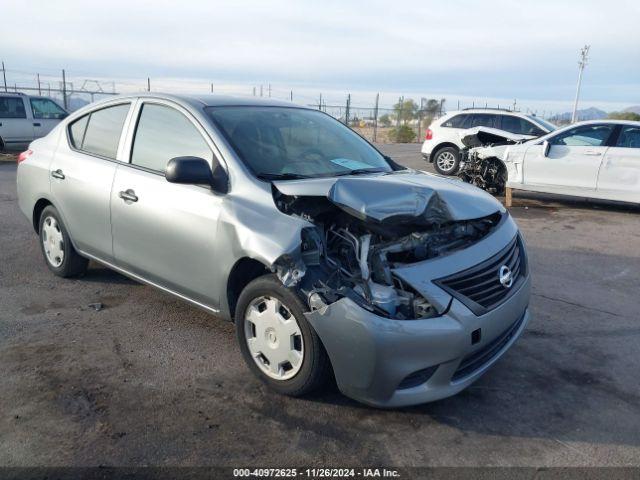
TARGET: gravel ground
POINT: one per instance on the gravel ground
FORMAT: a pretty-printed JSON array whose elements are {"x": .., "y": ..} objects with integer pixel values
[{"x": 150, "y": 380}]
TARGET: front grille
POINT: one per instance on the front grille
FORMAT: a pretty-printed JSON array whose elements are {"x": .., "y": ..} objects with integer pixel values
[
  {"x": 477, "y": 360},
  {"x": 479, "y": 287}
]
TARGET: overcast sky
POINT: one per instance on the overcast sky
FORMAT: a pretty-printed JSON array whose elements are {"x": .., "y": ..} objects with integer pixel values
[{"x": 491, "y": 49}]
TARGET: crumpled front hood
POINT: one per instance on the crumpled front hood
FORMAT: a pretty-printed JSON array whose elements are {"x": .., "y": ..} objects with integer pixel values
[
  {"x": 399, "y": 197},
  {"x": 479, "y": 136}
]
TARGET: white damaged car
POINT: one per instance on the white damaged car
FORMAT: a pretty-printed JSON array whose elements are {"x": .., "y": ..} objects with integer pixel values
[{"x": 595, "y": 159}]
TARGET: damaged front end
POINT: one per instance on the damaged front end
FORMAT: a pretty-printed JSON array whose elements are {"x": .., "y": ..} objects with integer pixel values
[
  {"x": 365, "y": 229},
  {"x": 483, "y": 160}
]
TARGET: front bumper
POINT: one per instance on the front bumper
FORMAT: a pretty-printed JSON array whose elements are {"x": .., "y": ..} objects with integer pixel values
[{"x": 372, "y": 355}]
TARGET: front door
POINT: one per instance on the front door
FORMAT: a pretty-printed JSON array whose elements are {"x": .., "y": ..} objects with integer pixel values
[
  {"x": 16, "y": 129},
  {"x": 165, "y": 232},
  {"x": 573, "y": 159},
  {"x": 46, "y": 115},
  {"x": 619, "y": 177}
]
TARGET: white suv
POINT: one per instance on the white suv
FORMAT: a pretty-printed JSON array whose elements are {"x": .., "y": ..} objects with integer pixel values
[
  {"x": 23, "y": 118},
  {"x": 442, "y": 140}
]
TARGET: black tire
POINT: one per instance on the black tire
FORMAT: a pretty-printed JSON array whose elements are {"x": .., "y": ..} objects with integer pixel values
[
  {"x": 439, "y": 161},
  {"x": 316, "y": 368},
  {"x": 72, "y": 264}
]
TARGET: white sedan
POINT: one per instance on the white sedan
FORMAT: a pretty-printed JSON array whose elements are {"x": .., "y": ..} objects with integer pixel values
[{"x": 595, "y": 159}]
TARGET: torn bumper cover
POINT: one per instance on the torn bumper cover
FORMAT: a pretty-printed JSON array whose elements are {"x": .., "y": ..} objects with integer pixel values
[{"x": 389, "y": 362}]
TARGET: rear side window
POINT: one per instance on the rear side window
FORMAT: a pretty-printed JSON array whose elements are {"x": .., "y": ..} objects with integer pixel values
[
  {"x": 629, "y": 137},
  {"x": 12, "y": 107},
  {"x": 46, "y": 109},
  {"x": 456, "y": 121},
  {"x": 164, "y": 133},
  {"x": 520, "y": 126},
  {"x": 99, "y": 132}
]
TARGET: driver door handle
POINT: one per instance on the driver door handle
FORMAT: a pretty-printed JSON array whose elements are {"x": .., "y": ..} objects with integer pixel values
[
  {"x": 57, "y": 174},
  {"x": 593, "y": 153},
  {"x": 128, "y": 195}
]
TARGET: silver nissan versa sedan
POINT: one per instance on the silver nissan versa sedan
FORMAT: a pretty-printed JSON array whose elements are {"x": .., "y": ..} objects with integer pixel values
[{"x": 330, "y": 258}]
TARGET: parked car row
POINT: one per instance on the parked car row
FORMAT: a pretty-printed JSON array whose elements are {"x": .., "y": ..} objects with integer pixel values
[
  {"x": 443, "y": 143},
  {"x": 23, "y": 118}
]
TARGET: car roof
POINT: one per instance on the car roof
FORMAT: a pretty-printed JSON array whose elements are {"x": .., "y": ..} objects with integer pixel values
[
  {"x": 200, "y": 101},
  {"x": 606, "y": 120},
  {"x": 497, "y": 111}
]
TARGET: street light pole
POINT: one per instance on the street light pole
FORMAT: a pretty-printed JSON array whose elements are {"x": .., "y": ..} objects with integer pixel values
[{"x": 584, "y": 56}]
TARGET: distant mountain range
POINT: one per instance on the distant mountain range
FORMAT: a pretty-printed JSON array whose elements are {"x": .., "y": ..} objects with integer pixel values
[
  {"x": 586, "y": 114},
  {"x": 634, "y": 109}
]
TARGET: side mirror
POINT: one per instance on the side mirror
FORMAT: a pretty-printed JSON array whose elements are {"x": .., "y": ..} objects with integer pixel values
[
  {"x": 545, "y": 148},
  {"x": 196, "y": 171}
]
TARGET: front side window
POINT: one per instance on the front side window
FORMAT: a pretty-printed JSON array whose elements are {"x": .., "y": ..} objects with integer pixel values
[
  {"x": 583, "y": 136},
  {"x": 520, "y": 126},
  {"x": 99, "y": 132},
  {"x": 12, "y": 107},
  {"x": 43, "y": 108},
  {"x": 164, "y": 133},
  {"x": 629, "y": 137},
  {"x": 284, "y": 142}
]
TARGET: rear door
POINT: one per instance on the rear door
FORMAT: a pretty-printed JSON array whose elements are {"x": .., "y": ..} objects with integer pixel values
[
  {"x": 82, "y": 174},
  {"x": 16, "y": 129},
  {"x": 573, "y": 159},
  {"x": 46, "y": 115},
  {"x": 619, "y": 177}
]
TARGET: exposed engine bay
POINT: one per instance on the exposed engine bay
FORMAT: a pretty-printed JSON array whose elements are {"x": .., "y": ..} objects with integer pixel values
[
  {"x": 482, "y": 161},
  {"x": 356, "y": 244}
]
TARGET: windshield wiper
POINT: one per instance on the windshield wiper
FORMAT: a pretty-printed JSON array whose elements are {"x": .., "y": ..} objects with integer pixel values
[
  {"x": 280, "y": 176},
  {"x": 359, "y": 171}
]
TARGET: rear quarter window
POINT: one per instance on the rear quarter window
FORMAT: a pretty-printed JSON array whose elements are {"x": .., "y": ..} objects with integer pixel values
[
  {"x": 457, "y": 121},
  {"x": 99, "y": 132}
]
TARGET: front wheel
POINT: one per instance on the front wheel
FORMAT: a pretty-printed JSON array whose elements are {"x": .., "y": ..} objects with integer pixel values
[
  {"x": 446, "y": 161},
  {"x": 277, "y": 342}
]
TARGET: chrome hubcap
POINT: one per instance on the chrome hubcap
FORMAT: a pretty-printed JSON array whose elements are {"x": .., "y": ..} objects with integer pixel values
[
  {"x": 52, "y": 241},
  {"x": 274, "y": 338},
  {"x": 446, "y": 161}
]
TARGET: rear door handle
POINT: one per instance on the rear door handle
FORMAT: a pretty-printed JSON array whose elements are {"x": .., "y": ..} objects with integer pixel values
[
  {"x": 128, "y": 196},
  {"x": 593, "y": 152},
  {"x": 37, "y": 125},
  {"x": 57, "y": 174}
]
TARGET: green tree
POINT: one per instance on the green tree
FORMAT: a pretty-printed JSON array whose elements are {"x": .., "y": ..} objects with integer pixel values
[
  {"x": 385, "y": 120},
  {"x": 405, "y": 110},
  {"x": 625, "y": 116},
  {"x": 402, "y": 134}
]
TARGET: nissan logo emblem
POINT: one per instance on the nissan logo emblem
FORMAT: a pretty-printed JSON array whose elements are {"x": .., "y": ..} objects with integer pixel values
[{"x": 506, "y": 277}]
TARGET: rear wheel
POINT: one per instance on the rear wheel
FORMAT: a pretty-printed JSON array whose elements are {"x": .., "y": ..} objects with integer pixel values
[
  {"x": 277, "y": 342},
  {"x": 59, "y": 254},
  {"x": 446, "y": 161}
]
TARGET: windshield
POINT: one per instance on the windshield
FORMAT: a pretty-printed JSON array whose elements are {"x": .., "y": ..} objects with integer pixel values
[
  {"x": 284, "y": 142},
  {"x": 550, "y": 127}
]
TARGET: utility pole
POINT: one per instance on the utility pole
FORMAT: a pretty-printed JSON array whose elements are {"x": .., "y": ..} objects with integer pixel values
[
  {"x": 261, "y": 90},
  {"x": 39, "y": 90},
  {"x": 4, "y": 76},
  {"x": 320, "y": 104},
  {"x": 291, "y": 95},
  {"x": 375, "y": 118},
  {"x": 64, "y": 90},
  {"x": 514, "y": 104},
  {"x": 348, "y": 108},
  {"x": 254, "y": 91},
  {"x": 148, "y": 84},
  {"x": 212, "y": 88},
  {"x": 269, "y": 90},
  {"x": 584, "y": 57}
]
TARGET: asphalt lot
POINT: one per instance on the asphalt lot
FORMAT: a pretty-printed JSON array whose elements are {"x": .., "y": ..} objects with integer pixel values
[{"x": 151, "y": 380}]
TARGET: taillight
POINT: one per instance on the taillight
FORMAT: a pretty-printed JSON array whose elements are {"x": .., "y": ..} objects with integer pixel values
[
  {"x": 429, "y": 134},
  {"x": 24, "y": 155}
]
